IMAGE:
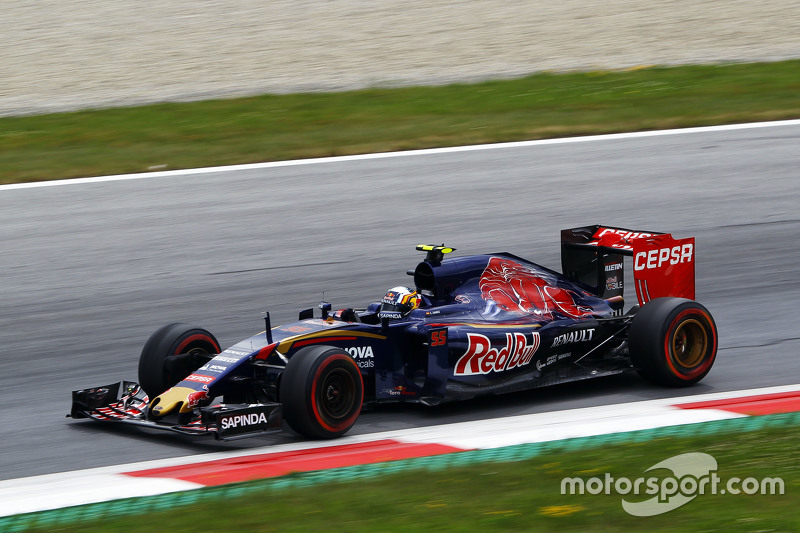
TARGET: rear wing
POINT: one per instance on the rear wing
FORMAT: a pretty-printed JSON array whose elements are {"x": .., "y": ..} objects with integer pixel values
[{"x": 662, "y": 265}]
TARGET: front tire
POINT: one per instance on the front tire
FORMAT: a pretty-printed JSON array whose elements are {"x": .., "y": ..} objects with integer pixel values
[
  {"x": 159, "y": 369},
  {"x": 322, "y": 392},
  {"x": 673, "y": 341}
]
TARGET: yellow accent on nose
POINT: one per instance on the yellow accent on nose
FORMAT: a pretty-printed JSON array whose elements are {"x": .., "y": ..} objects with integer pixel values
[{"x": 174, "y": 398}]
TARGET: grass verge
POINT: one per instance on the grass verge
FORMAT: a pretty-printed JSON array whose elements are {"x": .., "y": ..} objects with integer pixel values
[
  {"x": 514, "y": 496},
  {"x": 293, "y": 126}
]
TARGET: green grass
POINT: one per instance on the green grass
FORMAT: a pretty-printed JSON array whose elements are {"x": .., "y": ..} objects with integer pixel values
[
  {"x": 516, "y": 496},
  {"x": 280, "y": 127}
]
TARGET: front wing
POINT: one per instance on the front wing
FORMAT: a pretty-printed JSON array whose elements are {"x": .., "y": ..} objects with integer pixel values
[{"x": 126, "y": 402}]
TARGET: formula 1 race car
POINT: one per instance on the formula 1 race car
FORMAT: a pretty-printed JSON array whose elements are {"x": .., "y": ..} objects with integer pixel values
[{"x": 469, "y": 326}]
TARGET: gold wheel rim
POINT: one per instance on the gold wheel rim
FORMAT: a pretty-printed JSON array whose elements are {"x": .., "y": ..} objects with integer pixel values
[{"x": 689, "y": 343}]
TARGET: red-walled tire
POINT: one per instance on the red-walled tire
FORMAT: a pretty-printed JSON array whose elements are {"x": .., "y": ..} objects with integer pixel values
[
  {"x": 322, "y": 391},
  {"x": 673, "y": 341},
  {"x": 155, "y": 375}
]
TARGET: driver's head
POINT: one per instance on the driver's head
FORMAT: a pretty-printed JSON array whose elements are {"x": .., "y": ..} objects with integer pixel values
[{"x": 398, "y": 302}]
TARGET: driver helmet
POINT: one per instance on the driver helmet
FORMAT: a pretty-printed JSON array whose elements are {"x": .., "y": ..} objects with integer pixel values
[{"x": 398, "y": 302}]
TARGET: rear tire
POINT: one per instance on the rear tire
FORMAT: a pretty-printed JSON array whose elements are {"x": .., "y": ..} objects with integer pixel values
[
  {"x": 157, "y": 371},
  {"x": 673, "y": 341},
  {"x": 322, "y": 392}
]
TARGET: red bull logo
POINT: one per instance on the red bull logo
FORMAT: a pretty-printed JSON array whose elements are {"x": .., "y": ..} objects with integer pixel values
[{"x": 482, "y": 358}]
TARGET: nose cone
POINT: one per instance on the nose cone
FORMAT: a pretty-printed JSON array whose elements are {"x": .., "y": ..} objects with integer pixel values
[{"x": 174, "y": 399}]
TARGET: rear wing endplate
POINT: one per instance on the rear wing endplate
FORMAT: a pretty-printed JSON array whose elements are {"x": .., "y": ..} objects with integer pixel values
[{"x": 662, "y": 265}]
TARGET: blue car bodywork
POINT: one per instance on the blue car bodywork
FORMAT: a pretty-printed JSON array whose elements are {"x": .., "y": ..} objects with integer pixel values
[{"x": 488, "y": 324}]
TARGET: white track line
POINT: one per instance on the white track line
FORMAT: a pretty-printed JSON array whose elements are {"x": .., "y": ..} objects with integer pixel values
[{"x": 386, "y": 155}]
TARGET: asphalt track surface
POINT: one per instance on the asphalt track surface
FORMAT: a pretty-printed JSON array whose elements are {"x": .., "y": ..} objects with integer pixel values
[{"x": 90, "y": 270}]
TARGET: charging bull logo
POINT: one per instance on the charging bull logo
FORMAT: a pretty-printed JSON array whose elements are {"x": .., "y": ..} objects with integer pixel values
[
  {"x": 518, "y": 289},
  {"x": 196, "y": 398},
  {"x": 482, "y": 358}
]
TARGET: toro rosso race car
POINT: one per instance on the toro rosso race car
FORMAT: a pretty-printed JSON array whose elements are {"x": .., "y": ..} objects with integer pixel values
[{"x": 469, "y": 326}]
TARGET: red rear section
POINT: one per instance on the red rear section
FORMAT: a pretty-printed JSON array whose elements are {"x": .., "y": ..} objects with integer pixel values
[{"x": 663, "y": 266}]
